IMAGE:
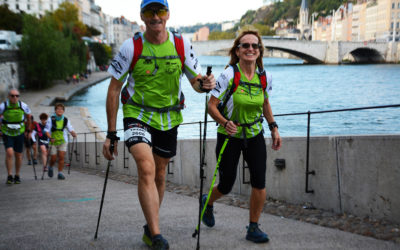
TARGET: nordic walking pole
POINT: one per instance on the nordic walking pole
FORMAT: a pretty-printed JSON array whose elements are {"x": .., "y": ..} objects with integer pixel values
[
  {"x": 202, "y": 162},
  {"x": 47, "y": 160},
  {"x": 197, "y": 231},
  {"x": 33, "y": 163},
  {"x": 70, "y": 155},
  {"x": 105, "y": 183}
]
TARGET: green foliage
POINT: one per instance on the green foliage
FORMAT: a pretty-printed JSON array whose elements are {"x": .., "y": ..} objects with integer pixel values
[
  {"x": 102, "y": 53},
  {"x": 290, "y": 9},
  {"x": 91, "y": 31},
  {"x": 45, "y": 52},
  {"x": 10, "y": 20},
  {"x": 194, "y": 28},
  {"x": 52, "y": 48},
  {"x": 220, "y": 35}
]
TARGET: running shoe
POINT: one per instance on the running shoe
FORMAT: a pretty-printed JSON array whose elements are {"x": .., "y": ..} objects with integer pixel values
[
  {"x": 208, "y": 216},
  {"x": 10, "y": 180},
  {"x": 44, "y": 169},
  {"x": 255, "y": 234},
  {"x": 159, "y": 243},
  {"x": 51, "y": 172},
  {"x": 29, "y": 162},
  {"x": 17, "y": 180},
  {"x": 147, "y": 235},
  {"x": 35, "y": 161},
  {"x": 60, "y": 176}
]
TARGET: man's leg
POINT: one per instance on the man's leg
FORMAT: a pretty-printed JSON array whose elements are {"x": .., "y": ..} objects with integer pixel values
[
  {"x": 18, "y": 162},
  {"x": 147, "y": 189},
  {"x": 9, "y": 160},
  {"x": 161, "y": 165}
]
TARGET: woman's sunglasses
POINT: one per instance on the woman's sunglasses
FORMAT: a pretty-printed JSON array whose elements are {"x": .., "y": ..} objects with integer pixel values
[
  {"x": 149, "y": 13},
  {"x": 247, "y": 45}
]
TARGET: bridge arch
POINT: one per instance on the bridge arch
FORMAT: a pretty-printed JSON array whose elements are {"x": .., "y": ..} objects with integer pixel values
[
  {"x": 366, "y": 55},
  {"x": 306, "y": 57}
]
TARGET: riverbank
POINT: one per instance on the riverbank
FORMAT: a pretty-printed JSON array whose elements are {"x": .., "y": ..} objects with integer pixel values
[{"x": 43, "y": 101}]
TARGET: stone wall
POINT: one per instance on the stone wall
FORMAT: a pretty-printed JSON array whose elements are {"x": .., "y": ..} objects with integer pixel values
[
  {"x": 353, "y": 174},
  {"x": 10, "y": 72}
]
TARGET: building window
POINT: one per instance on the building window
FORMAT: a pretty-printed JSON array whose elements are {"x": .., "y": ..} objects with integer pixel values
[
  {"x": 398, "y": 5},
  {"x": 397, "y": 25},
  {"x": 28, "y": 6},
  {"x": 393, "y": 4},
  {"x": 17, "y": 6},
  {"x": 391, "y": 25}
]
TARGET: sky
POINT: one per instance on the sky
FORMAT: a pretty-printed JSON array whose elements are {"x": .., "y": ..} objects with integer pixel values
[{"x": 184, "y": 12}]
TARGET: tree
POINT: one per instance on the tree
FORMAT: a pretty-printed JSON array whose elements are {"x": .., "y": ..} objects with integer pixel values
[
  {"x": 102, "y": 53},
  {"x": 10, "y": 20},
  {"x": 67, "y": 15},
  {"x": 44, "y": 51},
  {"x": 220, "y": 35},
  {"x": 91, "y": 31}
]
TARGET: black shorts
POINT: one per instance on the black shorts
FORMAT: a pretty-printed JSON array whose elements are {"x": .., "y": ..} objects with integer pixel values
[
  {"x": 15, "y": 142},
  {"x": 163, "y": 143},
  {"x": 255, "y": 155}
]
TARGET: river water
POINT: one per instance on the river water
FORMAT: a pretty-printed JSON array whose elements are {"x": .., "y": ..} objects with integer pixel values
[{"x": 296, "y": 88}]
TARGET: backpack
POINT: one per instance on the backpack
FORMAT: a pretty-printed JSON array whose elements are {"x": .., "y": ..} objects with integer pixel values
[
  {"x": 237, "y": 82},
  {"x": 54, "y": 125},
  {"x": 138, "y": 48},
  {"x": 6, "y": 107},
  {"x": 137, "y": 54}
]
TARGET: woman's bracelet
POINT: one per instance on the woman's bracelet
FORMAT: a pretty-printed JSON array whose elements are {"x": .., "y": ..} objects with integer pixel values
[{"x": 226, "y": 123}]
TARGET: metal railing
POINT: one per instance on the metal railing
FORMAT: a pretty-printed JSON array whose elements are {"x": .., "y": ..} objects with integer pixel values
[{"x": 244, "y": 167}]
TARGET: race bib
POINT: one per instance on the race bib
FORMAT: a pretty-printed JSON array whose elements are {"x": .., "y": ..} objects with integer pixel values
[
  {"x": 14, "y": 126},
  {"x": 137, "y": 132}
]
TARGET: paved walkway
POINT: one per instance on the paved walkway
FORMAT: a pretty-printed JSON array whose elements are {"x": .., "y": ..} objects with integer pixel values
[{"x": 54, "y": 214}]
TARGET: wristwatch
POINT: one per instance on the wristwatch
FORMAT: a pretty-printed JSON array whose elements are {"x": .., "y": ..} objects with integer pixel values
[{"x": 272, "y": 125}]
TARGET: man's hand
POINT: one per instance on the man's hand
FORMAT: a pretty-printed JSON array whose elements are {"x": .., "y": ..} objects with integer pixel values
[
  {"x": 208, "y": 82},
  {"x": 276, "y": 139},
  {"x": 73, "y": 133},
  {"x": 106, "y": 149}
]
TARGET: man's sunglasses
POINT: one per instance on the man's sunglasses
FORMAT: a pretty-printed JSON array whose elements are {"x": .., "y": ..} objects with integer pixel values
[
  {"x": 149, "y": 13},
  {"x": 14, "y": 95},
  {"x": 247, "y": 45}
]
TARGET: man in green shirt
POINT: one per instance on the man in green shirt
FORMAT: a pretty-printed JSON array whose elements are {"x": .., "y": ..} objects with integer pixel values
[
  {"x": 152, "y": 102},
  {"x": 13, "y": 128}
]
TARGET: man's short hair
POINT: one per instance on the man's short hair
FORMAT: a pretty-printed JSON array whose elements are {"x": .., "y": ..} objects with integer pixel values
[
  {"x": 59, "y": 105},
  {"x": 13, "y": 89}
]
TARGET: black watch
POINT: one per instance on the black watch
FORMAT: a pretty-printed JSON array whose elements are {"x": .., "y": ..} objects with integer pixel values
[{"x": 272, "y": 125}]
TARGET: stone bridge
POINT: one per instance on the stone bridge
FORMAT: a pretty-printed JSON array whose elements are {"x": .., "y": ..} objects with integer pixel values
[{"x": 318, "y": 52}]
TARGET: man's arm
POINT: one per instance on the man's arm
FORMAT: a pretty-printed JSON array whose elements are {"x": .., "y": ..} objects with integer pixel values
[{"x": 112, "y": 104}]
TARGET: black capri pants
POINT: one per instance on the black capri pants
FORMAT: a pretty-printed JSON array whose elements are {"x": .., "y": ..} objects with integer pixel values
[{"x": 255, "y": 155}]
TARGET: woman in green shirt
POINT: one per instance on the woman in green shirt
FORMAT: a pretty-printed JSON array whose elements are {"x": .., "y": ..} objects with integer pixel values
[{"x": 237, "y": 105}]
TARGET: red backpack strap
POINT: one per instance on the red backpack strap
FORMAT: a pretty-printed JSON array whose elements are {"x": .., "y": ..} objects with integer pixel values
[
  {"x": 263, "y": 78},
  {"x": 180, "y": 47},
  {"x": 236, "y": 77},
  {"x": 137, "y": 49}
]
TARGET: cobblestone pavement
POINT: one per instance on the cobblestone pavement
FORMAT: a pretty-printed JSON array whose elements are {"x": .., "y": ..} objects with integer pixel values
[{"x": 379, "y": 229}]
